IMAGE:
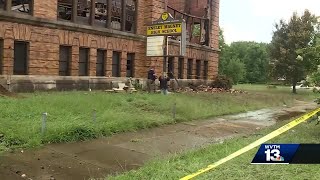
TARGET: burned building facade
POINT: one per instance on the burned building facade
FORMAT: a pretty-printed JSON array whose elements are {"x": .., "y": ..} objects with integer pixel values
[{"x": 73, "y": 44}]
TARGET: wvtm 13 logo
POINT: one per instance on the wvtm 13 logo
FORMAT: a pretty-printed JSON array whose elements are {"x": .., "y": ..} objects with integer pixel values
[{"x": 273, "y": 153}]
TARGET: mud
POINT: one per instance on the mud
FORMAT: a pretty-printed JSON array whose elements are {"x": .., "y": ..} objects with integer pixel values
[{"x": 123, "y": 152}]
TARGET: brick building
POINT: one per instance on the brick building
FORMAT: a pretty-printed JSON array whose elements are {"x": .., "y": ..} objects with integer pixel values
[{"x": 75, "y": 44}]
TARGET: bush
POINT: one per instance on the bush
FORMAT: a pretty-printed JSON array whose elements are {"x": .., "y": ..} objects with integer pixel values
[
  {"x": 222, "y": 82},
  {"x": 315, "y": 78},
  {"x": 235, "y": 70}
]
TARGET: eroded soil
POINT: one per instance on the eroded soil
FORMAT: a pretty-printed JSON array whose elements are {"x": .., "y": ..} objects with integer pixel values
[{"x": 123, "y": 152}]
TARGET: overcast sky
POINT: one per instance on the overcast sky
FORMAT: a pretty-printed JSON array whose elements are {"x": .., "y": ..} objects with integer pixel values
[{"x": 253, "y": 20}]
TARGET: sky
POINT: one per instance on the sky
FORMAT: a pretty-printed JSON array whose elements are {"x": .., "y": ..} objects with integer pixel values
[{"x": 254, "y": 20}]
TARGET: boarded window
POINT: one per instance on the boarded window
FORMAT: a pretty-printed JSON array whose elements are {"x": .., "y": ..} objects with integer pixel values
[
  {"x": 100, "y": 65},
  {"x": 64, "y": 9},
  {"x": 83, "y": 61},
  {"x": 1, "y": 56},
  {"x": 180, "y": 68},
  {"x": 20, "y": 65},
  {"x": 205, "y": 70},
  {"x": 22, "y": 6},
  {"x": 198, "y": 69},
  {"x": 64, "y": 60},
  {"x": 116, "y": 64},
  {"x": 130, "y": 65},
  {"x": 189, "y": 69},
  {"x": 171, "y": 67}
]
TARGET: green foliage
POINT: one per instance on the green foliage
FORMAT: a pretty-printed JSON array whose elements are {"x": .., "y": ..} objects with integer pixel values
[
  {"x": 196, "y": 30},
  {"x": 315, "y": 78},
  {"x": 288, "y": 39},
  {"x": 236, "y": 70},
  {"x": 222, "y": 82},
  {"x": 254, "y": 56}
]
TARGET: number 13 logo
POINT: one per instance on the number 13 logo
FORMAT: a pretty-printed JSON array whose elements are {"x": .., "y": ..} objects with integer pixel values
[{"x": 275, "y": 155}]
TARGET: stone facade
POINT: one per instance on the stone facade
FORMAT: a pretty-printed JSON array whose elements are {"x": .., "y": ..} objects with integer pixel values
[{"x": 44, "y": 35}]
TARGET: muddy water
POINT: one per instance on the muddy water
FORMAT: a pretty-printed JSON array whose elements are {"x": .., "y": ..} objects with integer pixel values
[{"x": 123, "y": 152}]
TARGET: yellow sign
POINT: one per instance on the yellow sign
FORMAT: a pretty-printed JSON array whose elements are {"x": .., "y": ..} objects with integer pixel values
[
  {"x": 164, "y": 29},
  {"x": 165, "y": 16}
]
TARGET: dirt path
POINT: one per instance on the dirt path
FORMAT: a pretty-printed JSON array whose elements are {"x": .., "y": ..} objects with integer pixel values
[{"x": 123, "y": 152}]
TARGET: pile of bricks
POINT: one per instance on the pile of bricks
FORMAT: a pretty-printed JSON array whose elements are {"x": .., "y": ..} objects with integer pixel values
[{"x": 208, "y": 89}]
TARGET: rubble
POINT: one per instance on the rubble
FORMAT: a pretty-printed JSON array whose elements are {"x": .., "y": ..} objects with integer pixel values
[{"x": 208, "y": 89}]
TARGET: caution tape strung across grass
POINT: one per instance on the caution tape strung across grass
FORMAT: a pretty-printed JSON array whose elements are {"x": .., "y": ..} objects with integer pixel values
[{"x": 254, "y": 144}]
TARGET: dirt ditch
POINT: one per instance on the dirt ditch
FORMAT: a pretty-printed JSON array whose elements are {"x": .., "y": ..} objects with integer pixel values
[{"x": 126, "y": 151}]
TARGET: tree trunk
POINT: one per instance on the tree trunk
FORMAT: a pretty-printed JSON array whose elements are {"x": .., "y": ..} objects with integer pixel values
[{"x": 294, "y": 84}]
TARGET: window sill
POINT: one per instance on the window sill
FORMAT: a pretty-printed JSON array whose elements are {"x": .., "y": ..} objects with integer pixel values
[{"x": 57, "y": 24}]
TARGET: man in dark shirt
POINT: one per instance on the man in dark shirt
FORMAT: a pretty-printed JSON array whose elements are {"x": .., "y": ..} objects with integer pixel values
[
  {"x": 151, "y": 78},
  {"x": 164, "y": 84}
]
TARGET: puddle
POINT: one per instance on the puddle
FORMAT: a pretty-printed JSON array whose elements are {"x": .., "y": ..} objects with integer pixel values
[
  {"x": 289, "y": 115},
  {"x": 260, "y": 115}
]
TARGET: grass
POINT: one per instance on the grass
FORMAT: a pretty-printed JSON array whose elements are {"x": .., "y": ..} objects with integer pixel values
[
  {"x": 70, "y": 114},
  {"x": 178, "y": 166},
  {"x": 307, "y": 93}
]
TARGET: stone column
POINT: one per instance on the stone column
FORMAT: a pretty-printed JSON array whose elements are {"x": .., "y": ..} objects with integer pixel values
[
  {"x": 46, "y": 10},
  {"x": 92, "y": 61},
  {"x": 75, "y": 61}
]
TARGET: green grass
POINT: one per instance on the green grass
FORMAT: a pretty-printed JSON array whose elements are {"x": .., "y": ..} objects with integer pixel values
[
  {"x": 178, "y": 166},
  {"x": 277, "y": 90},
  {"x": 70, "y": 114}
]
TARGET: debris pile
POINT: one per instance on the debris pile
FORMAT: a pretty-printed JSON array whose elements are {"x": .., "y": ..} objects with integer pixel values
[
  {"x": 208, "y": 89},
  {"x": 5, "y": 92}
]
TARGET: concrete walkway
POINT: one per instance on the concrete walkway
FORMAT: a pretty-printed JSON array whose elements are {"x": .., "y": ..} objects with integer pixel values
[{"x": 123, "y": 152}]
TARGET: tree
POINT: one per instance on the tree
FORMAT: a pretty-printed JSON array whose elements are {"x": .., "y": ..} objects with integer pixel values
[
  {"x": 235, "y": 70},
  {"x": 223, "y": 48},
  {"x": 287, "y": 40},
  {"x": 312, "y": 53},
  {"x": 254, "y": 55}
]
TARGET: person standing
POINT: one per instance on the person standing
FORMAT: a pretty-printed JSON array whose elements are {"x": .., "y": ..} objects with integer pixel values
[
  {"x": 151, "y": 80},
  {"x": 164, "y": 84}
]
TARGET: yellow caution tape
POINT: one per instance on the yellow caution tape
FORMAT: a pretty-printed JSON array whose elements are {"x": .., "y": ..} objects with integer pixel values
[{"x": 254, "y": 144}]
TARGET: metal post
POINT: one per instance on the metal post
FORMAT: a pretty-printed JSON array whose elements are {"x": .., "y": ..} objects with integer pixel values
[
  {"x": 165, "y": 55},
  {"x": 44, "y": 119},
  {"x": 174, "y": 110},
  {"x": 94, "y": 115}
]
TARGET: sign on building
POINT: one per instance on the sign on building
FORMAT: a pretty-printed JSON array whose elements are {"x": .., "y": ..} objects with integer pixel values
[
  {"x": 165, "y": 26},
  {"x": 165, "y": 29},
  {"x": 155, "y": 46}
]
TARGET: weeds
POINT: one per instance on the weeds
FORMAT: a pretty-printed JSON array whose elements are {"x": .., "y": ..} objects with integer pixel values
[{"x": 70, "y": 114}]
